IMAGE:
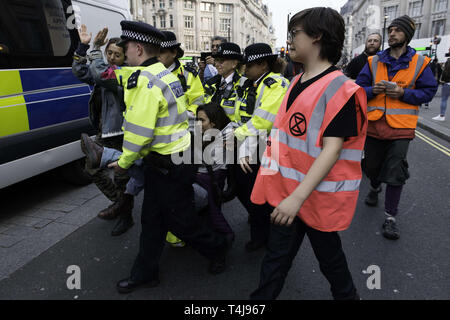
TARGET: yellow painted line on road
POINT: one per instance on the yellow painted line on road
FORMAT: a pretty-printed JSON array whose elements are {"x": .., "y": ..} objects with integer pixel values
[{"x": 433, "y": 143}]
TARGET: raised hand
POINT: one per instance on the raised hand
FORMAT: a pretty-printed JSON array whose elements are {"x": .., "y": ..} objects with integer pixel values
[
  {"x": 85, "y": 37},
  {"x": 100, "y": 39}
]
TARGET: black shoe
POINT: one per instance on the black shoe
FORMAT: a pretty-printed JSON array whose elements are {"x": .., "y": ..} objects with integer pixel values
[
  {"x": 124, "y": 223},
  {"x": 372, "y": 197},
  {"x": 390, "y": 230},
  {"x": 218, "y": 265},
  {"x": 128, "y": 285},
  {"x": 254, "y": 245}
]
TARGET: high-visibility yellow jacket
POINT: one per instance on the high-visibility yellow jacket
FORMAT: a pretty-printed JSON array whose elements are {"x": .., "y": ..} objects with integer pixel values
[
  {"x": 192, "y": 85},
  {"x": 269, "y": 95},
  {"x": 155, "y": 117},
  {"x": 229, "y": 97}
]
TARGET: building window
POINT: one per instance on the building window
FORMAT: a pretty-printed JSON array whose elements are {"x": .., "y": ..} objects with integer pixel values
[
  {"x": 206, "y": 6},
  {"x": 438, "y": 28},
  {"x": 206, "y": 23},
  {"x": 189, "y": 42},
  {"x": 228, "y": 8},
  {"x": 205, "y": 43},
  {"x": 189, "y": 22},
  {"x": 170, "y": 3},
  {"x": 391, "y": 12},
  {"x": 417, "y": 33},
  {"x": 154, "y": 21},
  {"x": 153, "y": 4},
  {"x": 415, "y": 8},
  {"x": 188, "y": 4},
  {"x": 171, "y": 21},
  {"x": 225, "y": 24},
  {"x": 163, "y": 21},
  {"x": 162, "y": 4},
  {"x": 440, "y": 5}
]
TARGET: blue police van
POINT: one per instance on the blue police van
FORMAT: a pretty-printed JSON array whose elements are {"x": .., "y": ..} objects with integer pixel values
[{"x": 43, "y": 107}]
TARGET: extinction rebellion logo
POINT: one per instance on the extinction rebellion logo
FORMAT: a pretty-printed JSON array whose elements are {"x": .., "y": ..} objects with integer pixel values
[{"x": 297, "y": 124}]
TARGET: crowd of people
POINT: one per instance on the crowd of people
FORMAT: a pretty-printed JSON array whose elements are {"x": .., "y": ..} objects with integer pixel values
[{"x": 292, "y": 151}]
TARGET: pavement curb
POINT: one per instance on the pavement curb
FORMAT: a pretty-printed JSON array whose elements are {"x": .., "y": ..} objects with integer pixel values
[{"x": 434, "y": 128}]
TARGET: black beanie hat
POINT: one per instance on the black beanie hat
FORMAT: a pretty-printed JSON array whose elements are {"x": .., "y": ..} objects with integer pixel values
[{"x": 406, "y": 24}]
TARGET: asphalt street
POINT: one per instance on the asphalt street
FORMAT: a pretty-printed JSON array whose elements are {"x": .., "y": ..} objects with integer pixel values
[{"x": 414, "y": 267}]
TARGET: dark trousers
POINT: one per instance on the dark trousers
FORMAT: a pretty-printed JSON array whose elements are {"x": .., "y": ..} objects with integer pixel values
[
  {"x": 169, "y": 205},
  {"x": 284, "y": 243},
  {"x": 215, "y": 214},
  {"x": 259, "y": 214}
]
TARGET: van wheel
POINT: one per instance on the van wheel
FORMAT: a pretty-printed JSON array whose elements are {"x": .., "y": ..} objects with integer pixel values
[{"x": 74, "y": 173}]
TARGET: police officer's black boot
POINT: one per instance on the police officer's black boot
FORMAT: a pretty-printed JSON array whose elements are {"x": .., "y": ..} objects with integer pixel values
[{"x": 125, "y": 221}]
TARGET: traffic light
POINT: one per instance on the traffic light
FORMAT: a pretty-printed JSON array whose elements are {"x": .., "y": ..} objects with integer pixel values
[{"x": 282, "y": 53}]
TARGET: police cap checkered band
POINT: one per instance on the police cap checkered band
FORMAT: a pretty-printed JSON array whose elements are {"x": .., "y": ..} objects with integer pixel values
[
  {"x": 169, "y": 44},
  {"x": 258, "y": 56},
  {"x": 225, "y": 52},
  {"x": 141, "y": 37}
]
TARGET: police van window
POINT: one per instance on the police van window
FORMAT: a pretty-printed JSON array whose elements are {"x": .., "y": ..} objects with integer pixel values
[{"x": 36, "y": 34}]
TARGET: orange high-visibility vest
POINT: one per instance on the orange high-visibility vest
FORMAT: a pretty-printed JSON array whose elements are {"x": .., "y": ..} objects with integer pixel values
[
  {"x": 399, "y": 114},
  {"x": 296, "y": 141}
]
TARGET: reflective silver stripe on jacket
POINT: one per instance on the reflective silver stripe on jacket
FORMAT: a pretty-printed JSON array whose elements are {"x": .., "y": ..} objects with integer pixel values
[
  {"x": 301, "y": 145},
  {"x": 199, "y": 100},
  {"x": 266, "y": 115},
  {"x": 174, "y": 117},
  {"x": 165, "y": 138},
  {"x": 324, "y": 186},
  {"x": 420, "y": 62},
  {"x": 139, "y": 130},
  {"x": 413, "y": 112},
  {"x": 375, "y": 60},
  {"x": 132, "y": 146},
  {"x": 374, "y": 108}
]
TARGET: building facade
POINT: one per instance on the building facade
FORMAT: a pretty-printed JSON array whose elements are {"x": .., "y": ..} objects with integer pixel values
[
  {"x": 346, "y": 13},
  {"x": 195, "y": 22},
  {"x": 432, "y": 18}
]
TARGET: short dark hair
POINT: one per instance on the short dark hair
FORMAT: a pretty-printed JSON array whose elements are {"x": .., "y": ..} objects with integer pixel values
[
  {"x": 150, "y": 48},
  {"x": 215, "y": 114},
  {"x": 325, "y": 22},
  {"x": 222, "y": 39}
]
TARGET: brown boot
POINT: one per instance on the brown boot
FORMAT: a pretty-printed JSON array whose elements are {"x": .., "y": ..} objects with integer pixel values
[
  {"x": 125, "y": 221},
  {"x": 92, "y": 150},
  {"x": 111, "y": 212}
]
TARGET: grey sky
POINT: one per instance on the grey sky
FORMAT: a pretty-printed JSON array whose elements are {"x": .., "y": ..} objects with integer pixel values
[{"x": 281, "y": 8}]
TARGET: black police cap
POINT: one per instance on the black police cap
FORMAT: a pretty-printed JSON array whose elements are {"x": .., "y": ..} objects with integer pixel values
[{"x": 140, "y": 32}]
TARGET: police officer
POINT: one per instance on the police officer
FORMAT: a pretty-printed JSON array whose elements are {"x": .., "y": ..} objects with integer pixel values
[
  {"x": 170, "y": 54},
  {"x": 156, "y": 129},
  {"x": 256, "y": 112},
  {"x": 223, "y": 88}
]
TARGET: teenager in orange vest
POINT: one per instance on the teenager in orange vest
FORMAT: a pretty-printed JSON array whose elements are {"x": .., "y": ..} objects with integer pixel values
[
  {"x": 396, "y": 80},
  {"x": 311, "y": 169}
]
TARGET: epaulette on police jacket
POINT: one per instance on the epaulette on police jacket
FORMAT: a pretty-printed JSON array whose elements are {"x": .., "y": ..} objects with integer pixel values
[
  {"x": 191, "y": 70},
  {"x": 269, "y": 81}
]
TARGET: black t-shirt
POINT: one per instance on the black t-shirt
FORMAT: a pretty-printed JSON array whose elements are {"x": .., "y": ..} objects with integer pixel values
[
  {"x": 344, "y": 123},
  {"x": 355, "y": 66}
]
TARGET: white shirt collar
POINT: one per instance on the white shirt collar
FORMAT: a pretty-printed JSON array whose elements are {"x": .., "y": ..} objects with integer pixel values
[
  {"x": 172, "y": 67},
  {"x": 229, "y": 78}
]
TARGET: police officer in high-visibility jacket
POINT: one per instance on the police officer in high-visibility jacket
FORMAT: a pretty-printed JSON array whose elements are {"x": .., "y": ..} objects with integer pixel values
[
  {"x": 155, "y": 129},
  {"x": 264, "y": 92},
  {"x": 170, "y": 54},
  {"x": 223, "y": 88}
]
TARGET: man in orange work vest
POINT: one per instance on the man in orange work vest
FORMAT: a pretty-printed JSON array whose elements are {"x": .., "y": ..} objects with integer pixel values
[
  {"x": 397, "y": 80},
  {"x": 311, "y": 169}
]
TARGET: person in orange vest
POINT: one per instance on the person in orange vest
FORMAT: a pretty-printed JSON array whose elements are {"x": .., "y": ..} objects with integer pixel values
[
  {"x": 311, "y": 169},
  {"x": 397, "y": 81}
]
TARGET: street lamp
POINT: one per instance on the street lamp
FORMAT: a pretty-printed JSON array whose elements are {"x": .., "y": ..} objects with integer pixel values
[
  {"x": 384, "y": 30},
  {"x": 229, "y": 37}
]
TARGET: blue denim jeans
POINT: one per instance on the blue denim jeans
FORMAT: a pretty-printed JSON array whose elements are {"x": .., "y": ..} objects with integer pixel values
[{"x": 444, "y": 97}]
